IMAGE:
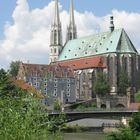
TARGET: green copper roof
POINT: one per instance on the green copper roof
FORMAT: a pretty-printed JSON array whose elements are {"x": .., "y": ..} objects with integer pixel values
[{"x": 101, "y": 43}]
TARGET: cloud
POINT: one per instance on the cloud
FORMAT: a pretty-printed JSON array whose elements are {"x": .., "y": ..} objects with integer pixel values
[{"x": 28, "y": 38}]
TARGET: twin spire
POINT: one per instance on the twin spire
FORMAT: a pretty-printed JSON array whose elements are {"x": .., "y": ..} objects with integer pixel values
[
  {"x": 56, "y": 44},
  {"x": 71, "y": 29}
]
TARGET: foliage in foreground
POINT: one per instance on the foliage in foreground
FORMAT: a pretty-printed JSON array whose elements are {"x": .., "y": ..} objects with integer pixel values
[
  {"x": 23, "y": 117},
  {"x": 128, "y": 133},
  {"x": 137, "y": 97}
]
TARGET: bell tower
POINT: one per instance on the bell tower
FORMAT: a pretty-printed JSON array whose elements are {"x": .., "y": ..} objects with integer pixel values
[{"x": 56, "y": 36}]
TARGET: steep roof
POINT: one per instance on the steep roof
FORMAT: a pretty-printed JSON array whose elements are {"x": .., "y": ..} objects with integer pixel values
[
  {"x": 84, "y": 63},
  {"x": 101, "y": 43},
  {"x": 53, "y": 70}
]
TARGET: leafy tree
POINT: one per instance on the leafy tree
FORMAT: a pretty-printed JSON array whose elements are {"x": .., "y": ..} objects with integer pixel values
[
  {"x": 137, "y": 96},
  {"x": 101, "y": 85},
  {"x": 57, "y": 105},
  {"x": 23, "y": 117},
  {"x": 135, "y": 123},
  {"x": 6, "y": 84},
  {"x": 123, "y": 83},
  {"x": 128, "y": 133},
  {"x": 14, "y": 68}
]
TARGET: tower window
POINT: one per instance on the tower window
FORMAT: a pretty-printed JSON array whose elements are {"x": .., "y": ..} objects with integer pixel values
[{"x": 54, "y": 50}]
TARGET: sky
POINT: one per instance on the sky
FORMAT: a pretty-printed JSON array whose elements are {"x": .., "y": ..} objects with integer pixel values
[{"x": 25, "y": 25}]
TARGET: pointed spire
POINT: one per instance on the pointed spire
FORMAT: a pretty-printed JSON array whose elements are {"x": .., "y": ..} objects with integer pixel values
[
  {"x": 71, "y": 29},
  {"x": 111, "y": 24},
  {"x": 56, "y": 20},
  {"x": 72, "y": 21}
]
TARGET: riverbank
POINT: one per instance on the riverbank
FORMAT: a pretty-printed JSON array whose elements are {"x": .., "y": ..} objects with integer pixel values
[{"x": 84, "y": 136}]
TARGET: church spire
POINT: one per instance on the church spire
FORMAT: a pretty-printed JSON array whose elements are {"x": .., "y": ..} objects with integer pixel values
[
  {"x": 56, "y": 19},
  {"x": 72, "y": 21},
  {"x": 71, "y": 29},
  {"x": 56, "y": 36}
]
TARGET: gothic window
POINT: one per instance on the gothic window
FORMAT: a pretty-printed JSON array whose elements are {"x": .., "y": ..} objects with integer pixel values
[
  {"x": 111, "y": 69},
  {"x": 54, "y": 50},
  {"x": 55, "y": 37},
  {"x": 125, "y": 64},
  {"x": 70, "y": 35},
  {"x": 55, "y": 59}
]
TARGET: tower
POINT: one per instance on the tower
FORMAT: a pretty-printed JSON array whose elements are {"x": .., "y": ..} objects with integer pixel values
[
  {"x": 56, "y": 36},
  {"x": 71, "y": 29}
]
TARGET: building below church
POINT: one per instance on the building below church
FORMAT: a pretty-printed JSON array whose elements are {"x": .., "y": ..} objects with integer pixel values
[{"x": 75, "y": 65}]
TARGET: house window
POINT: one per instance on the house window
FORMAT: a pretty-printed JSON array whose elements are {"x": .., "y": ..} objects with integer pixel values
[
  {"x": 55, "y": 92},
  {"x": 45, "y": 89},
  {"x": 55, "y": 85},
  {"x": 68, "y": 80},
  {"x": 68, "y": 94},
  {"x": 30, "y": 83},
  {"x": 55, "y": 80}
]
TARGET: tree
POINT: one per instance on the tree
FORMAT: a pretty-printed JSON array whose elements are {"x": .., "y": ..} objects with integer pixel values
[
  {"x": 57, "y": 105},
  {"x": 23, "y": 117},
  {"x": 123, "y": 83},
  {"x": 6, "y": 85},
  {"x": 14, "y": 68},
  {"x": 137, "y": 96},
  {"x": 101, "y": 85},
  {"x": 128, "y": 133}
]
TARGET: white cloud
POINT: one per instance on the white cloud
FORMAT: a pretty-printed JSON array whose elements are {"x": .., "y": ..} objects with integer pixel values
[{"x": 28, "y": 37}]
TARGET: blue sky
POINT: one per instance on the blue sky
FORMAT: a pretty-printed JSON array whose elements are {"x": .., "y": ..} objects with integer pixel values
[
  {"x": 98, "y": 7},
  {"x": 25, "y": 26}
]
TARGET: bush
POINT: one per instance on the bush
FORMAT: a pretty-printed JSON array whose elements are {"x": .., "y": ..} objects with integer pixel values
[{"x": 137, "y": 96}]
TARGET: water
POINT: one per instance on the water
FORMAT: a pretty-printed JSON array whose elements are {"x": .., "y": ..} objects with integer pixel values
[
  {"x": 84, "y": 136},
  {"x": 88, "y": 135}
]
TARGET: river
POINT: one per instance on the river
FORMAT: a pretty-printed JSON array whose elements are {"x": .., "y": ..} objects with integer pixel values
[{"x": 88, "y": 135}]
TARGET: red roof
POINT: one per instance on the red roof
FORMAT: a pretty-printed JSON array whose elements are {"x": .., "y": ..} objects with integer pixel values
[{"x": 84, "y": 63}]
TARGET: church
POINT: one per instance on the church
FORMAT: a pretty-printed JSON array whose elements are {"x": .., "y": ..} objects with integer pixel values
[
  {"x": 111, "y": 52},
  {"x": 75, "y": 64}
]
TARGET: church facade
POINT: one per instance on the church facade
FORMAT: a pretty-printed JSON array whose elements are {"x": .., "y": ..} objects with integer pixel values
[{"x": 115, "y": 49}]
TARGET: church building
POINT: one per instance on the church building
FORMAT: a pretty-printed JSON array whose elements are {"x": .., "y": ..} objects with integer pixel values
[{"x": 111, "y": 52}]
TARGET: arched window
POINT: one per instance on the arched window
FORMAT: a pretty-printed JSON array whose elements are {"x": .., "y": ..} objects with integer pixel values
[
  {"x": 55, "y": 37},
  {"x": 54, "y": 50},
  {"x": 125, "y": 64}
]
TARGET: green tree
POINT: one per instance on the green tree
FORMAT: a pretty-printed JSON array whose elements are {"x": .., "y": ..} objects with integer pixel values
[
  {"x": 101, "y": 85},
  {"x": 6, "y": 84},
  {"x": 14, "y": 68},
  {"x": 57, "y": 105},
  {"x": 137, "y": 96},
  {"x": 123, "y": 83},
  {"x": 23, "y": 117},
  {"x": 128, "y": 133}
]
